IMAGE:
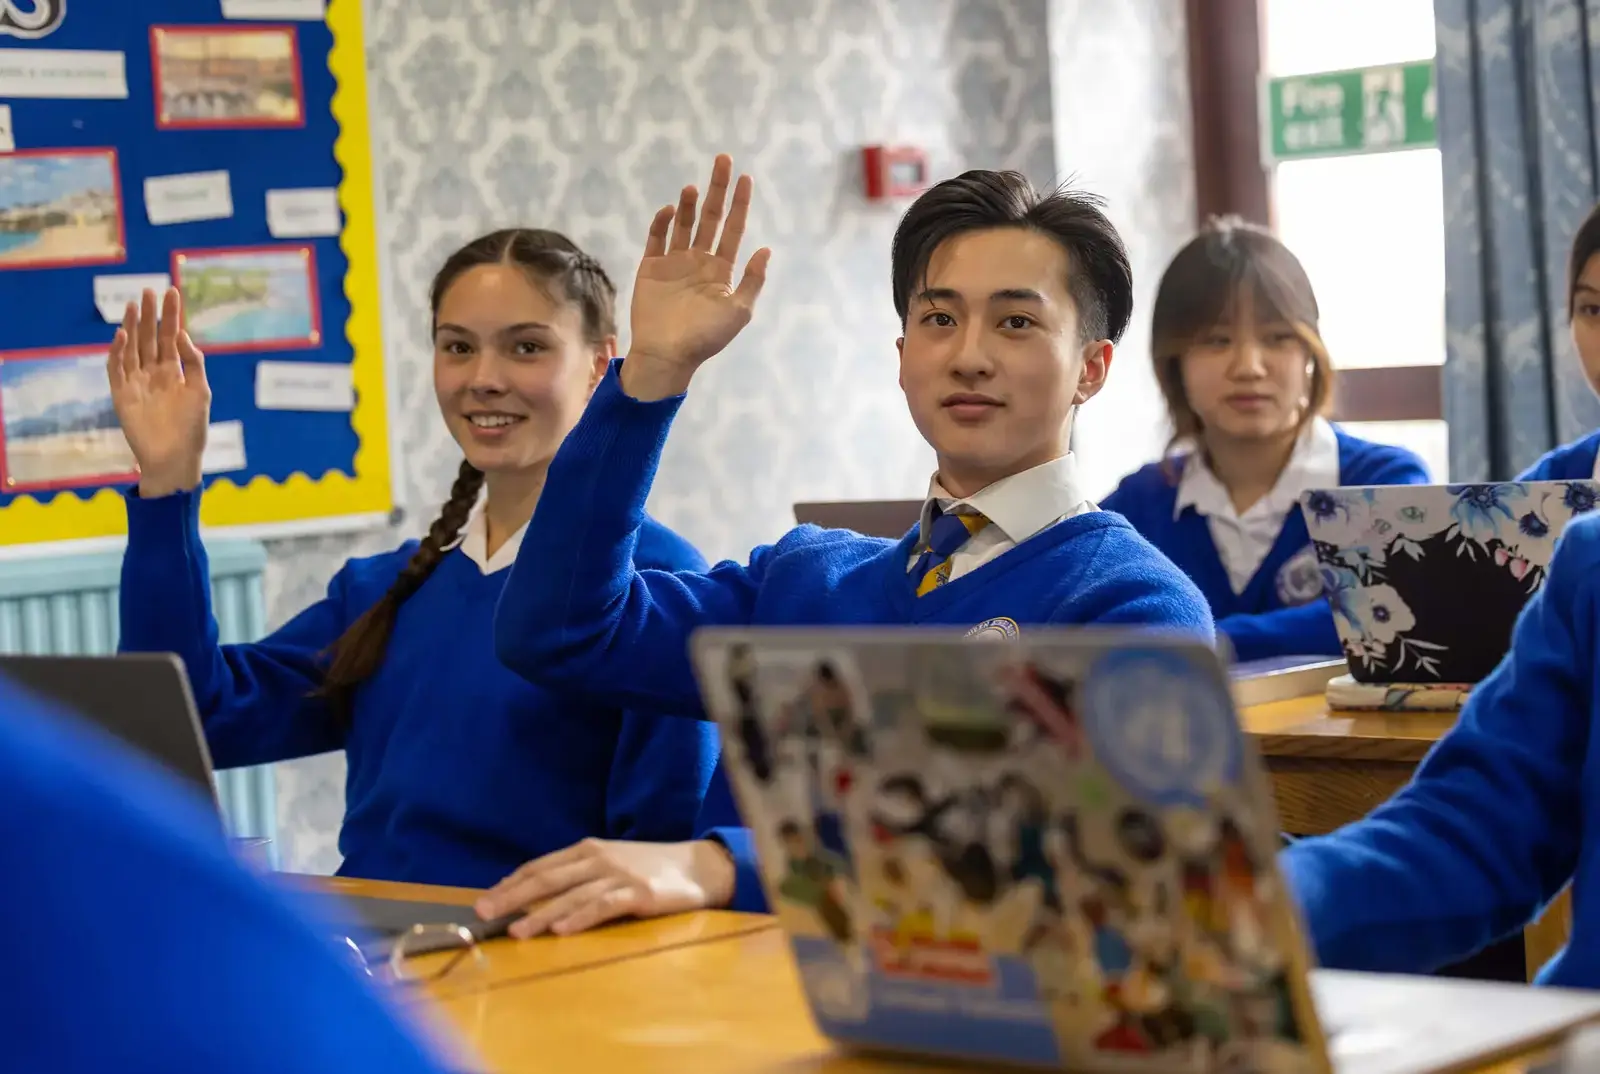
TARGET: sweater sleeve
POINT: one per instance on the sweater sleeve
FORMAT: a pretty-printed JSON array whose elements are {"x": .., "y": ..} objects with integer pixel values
[
  {"x": 255, "y": 700},
  {"x": 576, "y": 614},
  {"x": 1485, "y": 833},
  {"x": 1306, "y": 630},
  {"x": 720, "y": 822}
]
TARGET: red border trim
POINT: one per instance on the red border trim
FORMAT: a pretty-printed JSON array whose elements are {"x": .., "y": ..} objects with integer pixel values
[
  {"x": 116, "y": 189},
  {"x": 87, "y": 350},
  {"x": 166, "y": 124},
  {"x": 302, "y": 343}
]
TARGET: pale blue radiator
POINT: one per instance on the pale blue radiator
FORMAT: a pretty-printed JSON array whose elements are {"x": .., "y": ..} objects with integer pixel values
[{"x": 67, "y": 605}]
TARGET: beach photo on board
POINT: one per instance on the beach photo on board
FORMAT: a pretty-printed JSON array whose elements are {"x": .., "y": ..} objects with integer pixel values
[
  {"x": 259, "y": 299},
  {"x": 57, "y": 421},
  {"x": 60, "y": 207},
  {"x": 227, "y": 77}
]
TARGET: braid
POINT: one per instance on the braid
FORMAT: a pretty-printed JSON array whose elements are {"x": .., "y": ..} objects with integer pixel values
[{"x": 359, "y": 652}]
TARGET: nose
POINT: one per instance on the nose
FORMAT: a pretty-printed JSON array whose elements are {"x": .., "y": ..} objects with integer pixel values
[
  {"x": 971, "y": 360},
  {"x": 488, "y": 374},
  {"x": 1249, "y": 360}
]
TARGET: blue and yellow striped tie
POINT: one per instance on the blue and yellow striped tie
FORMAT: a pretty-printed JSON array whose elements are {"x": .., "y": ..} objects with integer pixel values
[{"x": 947, "y": 534}]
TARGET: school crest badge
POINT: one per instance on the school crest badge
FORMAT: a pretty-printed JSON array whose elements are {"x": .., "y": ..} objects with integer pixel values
[
  {"x": 997, "y": 629},
  {"x": 1300, "y": 579}
]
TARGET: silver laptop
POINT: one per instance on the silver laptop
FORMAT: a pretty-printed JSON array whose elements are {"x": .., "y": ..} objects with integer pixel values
[
  {"x": 1426, "y": 581},
  {"x": 1057, "y": 851},
  {"x": 143, "y": 699}
]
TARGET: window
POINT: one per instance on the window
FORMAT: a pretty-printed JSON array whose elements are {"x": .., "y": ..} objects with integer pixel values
[{"x": 1369, "y": 228}]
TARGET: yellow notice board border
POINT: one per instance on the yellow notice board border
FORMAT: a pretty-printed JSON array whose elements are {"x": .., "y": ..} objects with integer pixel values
[{"x": 262, "y": 502}]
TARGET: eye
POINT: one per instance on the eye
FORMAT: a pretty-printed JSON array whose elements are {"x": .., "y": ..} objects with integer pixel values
[
  {"x": 456, "y": 346},
  {"x": 939, "y": 319},
  {"x": 1282, "y": 339},
  {"x": 1589, "y": 309},
  {"x": 1216, "y": 340},
  {"x": 1017, "y": 322},
  {"x": 526, "y": 347}
]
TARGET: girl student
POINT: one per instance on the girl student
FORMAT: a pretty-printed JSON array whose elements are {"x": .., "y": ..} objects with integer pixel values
[
  {"x": 1246, "y": 378},
  {"x": 458, "y": 769},
  {"x": 1580, "y": 460}
]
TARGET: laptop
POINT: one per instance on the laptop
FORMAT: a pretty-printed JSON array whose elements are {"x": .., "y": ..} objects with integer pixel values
[
  {"x": 144, "y": 700},
  {"x": 1057, "y": 851},
  {"x": 874, "y": 518},
  {"x": 1426, "y": 581}
]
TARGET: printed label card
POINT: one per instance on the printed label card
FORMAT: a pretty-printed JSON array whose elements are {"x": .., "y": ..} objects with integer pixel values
[
  {"x": 302, "y": 10},
  {"x": 8, "y": 141},
  {"x": 183, "y": 199},
  {"x": 62, "y": 74},
  {"x": 324, "y": 386},
  {"x": 113, "y": 293},
  {"x": 303, "y": 214},
  {"x": 224, "y": 448}
]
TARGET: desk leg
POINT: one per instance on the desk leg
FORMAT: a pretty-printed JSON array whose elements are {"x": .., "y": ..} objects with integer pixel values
[{"x": 1548, "y": 934}]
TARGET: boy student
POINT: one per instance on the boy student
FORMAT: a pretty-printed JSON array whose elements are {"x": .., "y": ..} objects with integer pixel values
[
  {"x": 1010, "y": 302},
  {"x": 136, "y": 943}
]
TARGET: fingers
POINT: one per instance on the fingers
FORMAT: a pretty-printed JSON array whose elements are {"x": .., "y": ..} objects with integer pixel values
[
  {"x": 656, "y": 244},
  {"x": 683, "y": 221},
  {"x": 145, "y": 337},
  {"x": 585, "y": 906},
  {"x": 540, "y": 879},
  {"x": 119, "y": 346},
  {"x": 755, "y": 278},
  {"x": 619, "y": 901},
  {"x": 193, "y": 359},
  {"x": 716, "y": 197},
  {"x": 733, "y": 232},
  {"x": 167, "y": 331}
]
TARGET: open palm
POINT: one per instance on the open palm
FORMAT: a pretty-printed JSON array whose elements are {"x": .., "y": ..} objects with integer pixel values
[
  {"x": 159, "y": 389},
  {"x": 685, "y": 305}
]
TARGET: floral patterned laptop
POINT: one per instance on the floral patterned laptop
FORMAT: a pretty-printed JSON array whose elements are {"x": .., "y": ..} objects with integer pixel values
[
  {"x": 1055, "y": 851},
  {"x": 1426, "y": 581}
]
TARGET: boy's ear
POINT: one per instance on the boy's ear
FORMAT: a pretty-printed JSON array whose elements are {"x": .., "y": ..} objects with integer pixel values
[
  {"x": 604, "y": 351},
  {"x": 900, "y": 349},
  {"x": 1096, "y": 365}
]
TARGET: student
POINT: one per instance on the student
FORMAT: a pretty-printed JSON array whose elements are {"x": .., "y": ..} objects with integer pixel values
[
  {"x": 135, "y": 943},
  {"x": 1009, "y": 302},
  {"x": 1579, "y": 460},
  {"x": 459, "y": 770},
  {"x": 1246, "y": 379},
  {"x": 1499, "y": 817}
]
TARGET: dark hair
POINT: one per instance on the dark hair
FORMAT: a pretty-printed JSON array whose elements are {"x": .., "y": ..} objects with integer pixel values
[
  {"x": 1200, "y": 290},
  {"x": 1099, "y": 278},
  {"x": 552, "y": 261},
  {"x": 1585, "y": 244}
]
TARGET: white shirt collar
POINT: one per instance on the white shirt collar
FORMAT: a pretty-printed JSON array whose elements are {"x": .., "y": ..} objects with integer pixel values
[
  {"x": 1020, "y": 505},
  {"x": 474, "y": 541},
  {"x": 1314, "y": 464}
]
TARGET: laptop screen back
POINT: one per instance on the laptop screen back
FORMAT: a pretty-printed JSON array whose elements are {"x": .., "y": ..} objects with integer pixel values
[{"x": 141, "y": 698}]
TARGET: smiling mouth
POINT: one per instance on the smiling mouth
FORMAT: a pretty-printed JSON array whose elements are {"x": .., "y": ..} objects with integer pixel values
[{"x": 493, "y": 421}]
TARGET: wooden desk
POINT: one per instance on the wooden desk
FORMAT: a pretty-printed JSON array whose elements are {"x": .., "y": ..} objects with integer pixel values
[
  {"x": 511, "y": 962},
  {"x": 1329, "y": 769},
  {"x": 731, "y": 1006}
]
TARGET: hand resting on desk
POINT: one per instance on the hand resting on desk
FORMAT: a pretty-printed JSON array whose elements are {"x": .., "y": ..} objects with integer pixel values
[{"x": 601, "y": 880}]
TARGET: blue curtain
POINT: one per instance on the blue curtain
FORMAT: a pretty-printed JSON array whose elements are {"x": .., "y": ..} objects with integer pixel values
[{"x": 1519, "y": 122}]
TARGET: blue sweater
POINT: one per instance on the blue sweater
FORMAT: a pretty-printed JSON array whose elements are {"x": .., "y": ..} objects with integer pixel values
[
  {"x": 1494, "y": 822},
  {"x": 578, "y": 615},
  {"x": 137, "y": 944},
  {"x": 1569, "y": 462},
  {"x": 458, "y": 770},
  {"x": 1260, "y": 622}
]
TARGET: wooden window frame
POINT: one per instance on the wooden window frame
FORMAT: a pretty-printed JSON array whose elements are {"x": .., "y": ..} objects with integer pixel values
[{"x": 1226, "y": 61}]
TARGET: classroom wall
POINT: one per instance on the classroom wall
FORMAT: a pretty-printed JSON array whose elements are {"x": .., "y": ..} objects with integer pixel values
[{"x": 589, "y": 115}]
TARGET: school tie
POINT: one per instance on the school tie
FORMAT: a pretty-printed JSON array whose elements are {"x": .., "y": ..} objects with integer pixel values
[{"x": 947, "y": 533}]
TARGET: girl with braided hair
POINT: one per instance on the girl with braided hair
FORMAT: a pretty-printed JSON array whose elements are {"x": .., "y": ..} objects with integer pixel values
[{"x": 459, "y": 770}]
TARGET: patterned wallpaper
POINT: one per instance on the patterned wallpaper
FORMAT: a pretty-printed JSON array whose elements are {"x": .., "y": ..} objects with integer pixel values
[{"x": 586, "y": 115}]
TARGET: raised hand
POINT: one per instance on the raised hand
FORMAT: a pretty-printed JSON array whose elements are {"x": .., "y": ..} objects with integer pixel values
[
  {"x": 685, "y": 305},
  {"x": 159, "y": 389}
]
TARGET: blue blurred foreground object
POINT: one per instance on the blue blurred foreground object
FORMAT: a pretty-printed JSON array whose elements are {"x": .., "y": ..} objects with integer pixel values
[{"x": 133, "y": 941}]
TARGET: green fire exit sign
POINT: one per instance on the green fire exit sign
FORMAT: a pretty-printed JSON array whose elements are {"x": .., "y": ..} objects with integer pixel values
[{"x": 1338, "y": 113}]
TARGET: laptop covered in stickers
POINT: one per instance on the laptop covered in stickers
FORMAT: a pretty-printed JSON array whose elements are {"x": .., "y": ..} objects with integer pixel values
[
  {"x": 1054, "y": 852},
  {"x": 1426, "y": 581}
]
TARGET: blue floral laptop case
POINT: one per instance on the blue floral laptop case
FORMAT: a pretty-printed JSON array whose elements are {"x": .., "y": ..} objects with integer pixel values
[
  {"x": 1054, "y": 851},
  {"x": 1426, "y": 581}
]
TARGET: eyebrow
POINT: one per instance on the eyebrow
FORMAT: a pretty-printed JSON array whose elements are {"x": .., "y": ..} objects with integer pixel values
[
  {"x": 509, "y": 329},
  {"x": 1589, "y": 287},
  {"x": 1005, "y": 294}
]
